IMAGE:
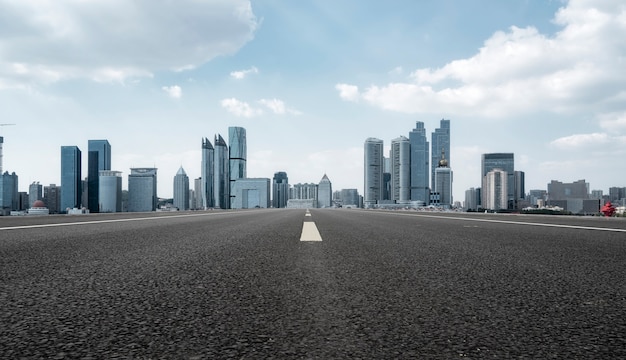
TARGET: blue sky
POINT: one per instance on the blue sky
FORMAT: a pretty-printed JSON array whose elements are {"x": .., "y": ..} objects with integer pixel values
[{"x": 311, "y": 80}]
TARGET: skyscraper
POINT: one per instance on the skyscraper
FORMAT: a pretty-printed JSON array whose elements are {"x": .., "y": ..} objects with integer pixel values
[
  {"x": 181, "y": 190},
  {"x": 9, "y": 194},
  {"x": 440, "y": 140},
  {"x": 324, "y": 193},
  {"x": 52, "y": 198},
  {"x": 237, "y": 153},
  {"x": 495, "y": 189},
  {"x": 110, "y": 194},
  {"x": 419, "y": 164},
  {"x": 206, "y": 176},
  {"x": 98, "y": 158},
  {"x": 71, "y": 187},
  {"x": 142, "y": 189},
  {"x": 443, "y": 182},
  {"x": 221, "y": 177},
  {"x": 35, "y": 192},
  {"x": 506, "y": 163},
  {"x": 400, "y": 157},
  {"x": 280, "y": 190},
  {"x": 373, "y": 172},
  {"x": 1, "y": 143}
]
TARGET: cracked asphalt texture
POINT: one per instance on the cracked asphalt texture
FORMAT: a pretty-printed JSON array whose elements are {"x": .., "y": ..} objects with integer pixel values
[{"x": 380, "y": 285}]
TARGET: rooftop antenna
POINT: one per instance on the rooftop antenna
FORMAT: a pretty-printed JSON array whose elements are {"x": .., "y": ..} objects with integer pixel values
[{"x": 1, "y": 142}]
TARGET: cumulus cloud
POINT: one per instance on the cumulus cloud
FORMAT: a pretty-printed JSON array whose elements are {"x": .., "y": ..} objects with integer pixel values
[
  {"x": 278, "y": 107},
  {"x": 348, "y": 92},
  {"x": 112, "y": 40},
  {"x": 521, "y": 70},
  {"x": 614, "y": 122},
  {"x": 240, "y": 108},
  {"x": 174, "y": 92},
  {"x": 241, "y": 74}
]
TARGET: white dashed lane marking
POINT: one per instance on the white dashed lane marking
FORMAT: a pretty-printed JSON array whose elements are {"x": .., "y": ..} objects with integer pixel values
[{"x": 309, "y": 230}]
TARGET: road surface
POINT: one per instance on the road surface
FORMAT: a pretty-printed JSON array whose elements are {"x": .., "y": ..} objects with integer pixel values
[{"x": 312, "y": 284}]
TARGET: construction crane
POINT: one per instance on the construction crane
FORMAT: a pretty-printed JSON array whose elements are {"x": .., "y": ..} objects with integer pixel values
[{"x": 1, "y": 141}]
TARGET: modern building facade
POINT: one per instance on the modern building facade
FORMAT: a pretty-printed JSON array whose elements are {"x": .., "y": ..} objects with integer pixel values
[
  {"x": 325, "y": 193},
  {"x": 251, "y": 193},
  {"x": 440, "y": 144},
  {"x": 471, "y": 199},
  {"x": 373, "y": 169},
  {"x": 52, "y": 198},
  {"x": 504, "y": 162},
  {"x": 443, "y": 182},
  {"x": 280, "y": 190},
  {"x": 349, "y": 197},
  {"x": 35, "y": 192},
  {"x": 181, "y": 190},
  {"x": 567, "y": 191},
  {"x": 400, "y": 158},
  {"x": 142, "y": 189},
  {"x": 98, "y": 158},
  {"x": 71, "y": 184},
  {"x": 495, "y": 196},
  {"x": 9, "y": 194},
  {"x": 304, "y": 192},
  {"x": 207, "y": 181},
  {"x": 221, "y": 177},
  {"x": 109, "y": 191},
  {"x": 237, "y": 154},
  {"x": 419, "y": 164}
]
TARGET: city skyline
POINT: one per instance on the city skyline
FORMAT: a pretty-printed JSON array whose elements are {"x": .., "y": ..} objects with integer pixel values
[{"x": 540, "y": 80}]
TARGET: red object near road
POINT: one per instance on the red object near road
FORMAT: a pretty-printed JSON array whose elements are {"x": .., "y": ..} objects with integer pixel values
[{"x": 608, "y": 209}]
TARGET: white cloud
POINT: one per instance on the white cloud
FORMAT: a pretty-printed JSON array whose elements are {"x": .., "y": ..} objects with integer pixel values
[
  {"x": 174, "y": 92},
  {"x": 521, "y": 71},
  {"x": 348, "y": 92},
  {"x": 240, "y": 108},
  {"x": 112, "y": 40},
  {"x": 241, "y": 74},
  {"x": 582, "y": 140},
  {"x": 278, "y": 107},
  {"x": 614, "y": 122}
]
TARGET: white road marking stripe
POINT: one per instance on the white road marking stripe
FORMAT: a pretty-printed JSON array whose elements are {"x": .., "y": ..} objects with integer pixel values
[
  {"x": 108, "y": 221},
  {"x": 579, "y": 227},
  {"x": 310, "y": 232}
]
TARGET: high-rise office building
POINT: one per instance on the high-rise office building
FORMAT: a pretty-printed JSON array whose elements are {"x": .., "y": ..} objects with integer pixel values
[
  {"x": 520, "y": 188},
  {"x": 250, "y": 193},
  {"x": 207, "y": 178},
  {"x": 142, "y": 189},
  {"x": 565, "y": 191},
  {"x": 443, "y": 182},
  {"x": 9, "y": 194},
  {"x": 52, "y": 198},
  {"x": 373, "y": 172},
  {"x": 1, "y": 143},
  {"x": 349, "y": 197},
  {"x": 71, "y": 184},
  {"x": 325, "y": 193},
  {"x": 98, "y": 158},
  {"x": 304, "y": 192},
  {"x": 221, "y": 177},
  {"x": 495, "y": 187},
  {"x": 280, "y": 190},
  {"x": 506, "y": 163},
  {"x": 237, "y": 154},
  {"x": 400, "y": 158},
  {"x": 35, "y": 192},
  {"x": 419, "y": 164},
  {"x": 110, "y": 191},
  {"x": 440, "y": 144},
  {"x": 197, "y": 186},
  {"x": 471, "y": 199},
  {"x": 181, "y": 190}
]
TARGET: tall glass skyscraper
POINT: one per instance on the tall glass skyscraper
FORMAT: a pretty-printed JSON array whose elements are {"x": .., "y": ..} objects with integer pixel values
[
  {"x": 373, "y": 172},
  {"x": 71, "y": 172},
  {"x": 181, "y": 190},
  {"x": 221, "y": 177},
  {"x": 440, "y": 144},
  {"x": 325, "y": 193},
  {"x": 280, "y": 190},
  {"x": 142, "y": 189},
  {"x": 237, "y": 154},
  {"x": 400, "y": 156},
  {"x": 98, "y": 159},
  {"x": 504, "y": 162},
  {"x": 110, "y": 194},
  {"x": 419, "y": 164},
  {"x": 206, "y": 176}
]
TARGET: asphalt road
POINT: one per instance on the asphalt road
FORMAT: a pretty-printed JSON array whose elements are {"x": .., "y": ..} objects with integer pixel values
[{"x": 380, "y": 285}]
